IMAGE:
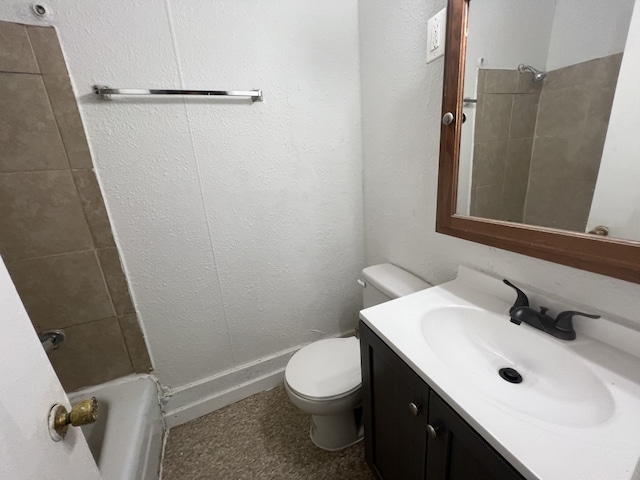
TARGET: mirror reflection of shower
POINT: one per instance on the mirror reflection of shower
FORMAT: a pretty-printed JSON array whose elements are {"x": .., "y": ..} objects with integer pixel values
[{"x": 538, "y": 75}]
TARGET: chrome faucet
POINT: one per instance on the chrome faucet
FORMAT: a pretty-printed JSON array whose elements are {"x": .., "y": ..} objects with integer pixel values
[{"x": 560, "y": 327}]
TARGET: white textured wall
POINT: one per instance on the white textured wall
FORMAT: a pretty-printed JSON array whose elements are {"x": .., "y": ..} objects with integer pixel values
[
  {"x": 616, "y": 200},
  {"x": 587, "y": 29},
  {"x": 401, "y": 136},
  {"x": 507, "y": 33},
  {"x": 240, "y": 225}
]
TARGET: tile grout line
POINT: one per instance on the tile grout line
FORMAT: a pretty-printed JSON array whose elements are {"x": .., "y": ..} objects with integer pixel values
[
  {"x": 22, "y": 172},
  {"x": 113, "y": 306},
  {"x": 33, "y": 53},
  {"x": 84, "y": 250},
  {"x": 53, "y": 110},
  {"x": 22, "y": 73},
  {"x": 95, "y": 320}
]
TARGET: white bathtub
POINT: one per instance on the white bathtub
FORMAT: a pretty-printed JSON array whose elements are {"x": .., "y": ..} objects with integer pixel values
[{"x": 126, "y": 440}]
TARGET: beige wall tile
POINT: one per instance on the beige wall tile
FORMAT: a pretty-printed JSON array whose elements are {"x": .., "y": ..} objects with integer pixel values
[
  {"x": 518, "y": 159},
  {"x": 500, "y": 81},
  {"x": 589, "y": 155},
  {"x": 40, "y": 214},
  {"x": 607, "y": 69},
  {"x": 523, "y": 116},
  {"x": 568, "y": 158},
  {"x": 555, "y": 156},
  {"x": 600, "y": 104},
  {"x": 565, "y": 77},
  {"x": 93, "y": 353},
  {"x": 563, "y": 112},
  {"x": 599, "y": 70},
  {"x": 488, "y": 163},
  {"x": 62, "y": 290},
  {"x": 572, "y": 124},
  {"x": 489, "y": 202},
  {"x": 46, "y": 47},
  {"x": 16, "y": 54},
  {"x": 58, "y": 216},
  {"x": 116, "y": 281},
  {"x": 136, "y": 346},
  {"x": 65, "y": 109},
  {"x": 512, "y": 209},
  {"x": 29, "y": 138},
  {"x": 527, "y": 85},
  {"x": 559, "y": 202},
  {"x": 595, "y": 133},
  {"x": 472, "y": 204},
  {"x": 516, "y": 178},
  {"x": 493, "y": 118},
  {"x": 94, "y": 208}
]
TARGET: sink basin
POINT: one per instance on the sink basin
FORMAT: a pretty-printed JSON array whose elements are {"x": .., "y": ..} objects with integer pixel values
[
  {"x": 576, "y": 413},
  {"x": 557, "y": 386}
]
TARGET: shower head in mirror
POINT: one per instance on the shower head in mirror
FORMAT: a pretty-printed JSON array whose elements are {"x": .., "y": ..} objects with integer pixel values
[{"x": 538, "y": 75}]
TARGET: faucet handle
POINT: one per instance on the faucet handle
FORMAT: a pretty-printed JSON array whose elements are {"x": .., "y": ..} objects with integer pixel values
[
  {"x": 564, "y": 320},
  {"x": 521, "y": 301}
]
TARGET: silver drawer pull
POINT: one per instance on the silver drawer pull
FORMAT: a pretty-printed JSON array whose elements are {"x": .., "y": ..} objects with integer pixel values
[{"x": 414, "y": 409}]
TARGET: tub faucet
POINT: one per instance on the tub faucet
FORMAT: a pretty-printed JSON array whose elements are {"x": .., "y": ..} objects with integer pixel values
[{"x": 560, "y": 327}]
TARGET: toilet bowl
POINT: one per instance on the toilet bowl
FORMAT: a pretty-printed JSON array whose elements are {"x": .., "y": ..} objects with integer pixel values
[{"x": 324, "y": 378}]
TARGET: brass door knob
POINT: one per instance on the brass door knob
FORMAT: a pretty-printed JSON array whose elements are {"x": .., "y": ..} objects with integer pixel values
[
  {"x": 82, "y": 413},
  {"x": 414, "y": 409},
  {"x": 432, "y": 431}
]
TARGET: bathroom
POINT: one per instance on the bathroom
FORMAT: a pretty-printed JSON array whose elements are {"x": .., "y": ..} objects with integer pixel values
[{"x": 243, "y": 226}]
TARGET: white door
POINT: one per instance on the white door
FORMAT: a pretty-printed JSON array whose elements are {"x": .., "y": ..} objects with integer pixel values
[{"x": 28, "y": 389}]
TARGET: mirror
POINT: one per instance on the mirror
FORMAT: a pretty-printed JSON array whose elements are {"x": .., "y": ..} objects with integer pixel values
[
  {"x": 546, "y": 159},
  {"x": 540, "y": 83}
]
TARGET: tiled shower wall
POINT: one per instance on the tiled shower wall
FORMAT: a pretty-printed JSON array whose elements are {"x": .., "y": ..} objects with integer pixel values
[
  {"x": 537, "y": 146},
  {"x": 55, "y": 236},
  {"x": 573, "y": 117},
  {"x": 505, "y": 125}
]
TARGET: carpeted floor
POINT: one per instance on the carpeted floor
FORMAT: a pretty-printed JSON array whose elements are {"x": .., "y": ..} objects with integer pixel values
[{"x": 261, "y": 437}]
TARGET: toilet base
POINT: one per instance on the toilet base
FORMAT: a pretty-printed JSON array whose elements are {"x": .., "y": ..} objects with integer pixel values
[{"x": 336, "y": 432}]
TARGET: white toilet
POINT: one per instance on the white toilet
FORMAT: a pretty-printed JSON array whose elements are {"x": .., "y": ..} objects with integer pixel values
[{"x": 324, "y": 378}]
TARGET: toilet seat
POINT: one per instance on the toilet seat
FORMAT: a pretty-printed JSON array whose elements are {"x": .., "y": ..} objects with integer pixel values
[{"x": 325, "y": 370}]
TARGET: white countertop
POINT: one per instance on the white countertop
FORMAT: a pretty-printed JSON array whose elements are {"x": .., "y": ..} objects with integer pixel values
[{"x": 607, "y": 449}]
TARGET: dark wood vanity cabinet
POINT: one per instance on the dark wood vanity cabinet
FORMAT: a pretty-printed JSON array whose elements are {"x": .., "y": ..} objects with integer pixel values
[
  {"x": 402, "y": 414},
  {"x": 395, "y": 436},
  {"x": 458, "y": 452}
]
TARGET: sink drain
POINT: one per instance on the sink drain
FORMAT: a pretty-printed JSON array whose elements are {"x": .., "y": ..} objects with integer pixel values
[{"x": 511, "y": 375}]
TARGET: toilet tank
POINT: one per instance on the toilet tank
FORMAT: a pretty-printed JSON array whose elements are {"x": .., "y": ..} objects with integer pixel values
[{"x": 384, "y": 282}]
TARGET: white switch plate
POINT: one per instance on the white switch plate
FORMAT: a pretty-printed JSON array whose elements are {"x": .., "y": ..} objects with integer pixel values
[{"x": 436, "y": 29}]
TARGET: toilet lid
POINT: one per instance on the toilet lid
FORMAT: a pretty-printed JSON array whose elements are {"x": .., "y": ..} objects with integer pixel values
[{"x": 326, "y": 368}]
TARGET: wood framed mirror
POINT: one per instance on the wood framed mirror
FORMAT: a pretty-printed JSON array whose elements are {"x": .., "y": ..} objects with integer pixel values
[{"x": 526, "y": 232}]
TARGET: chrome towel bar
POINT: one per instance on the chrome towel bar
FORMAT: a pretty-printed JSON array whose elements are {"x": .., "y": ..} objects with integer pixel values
[{"x": 105, "y": 93}]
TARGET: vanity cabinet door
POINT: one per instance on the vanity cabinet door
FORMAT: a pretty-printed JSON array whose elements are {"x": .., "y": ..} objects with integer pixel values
[
  {"x": 459, "y": 453},
  {"x": 395, "y": 407}
]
